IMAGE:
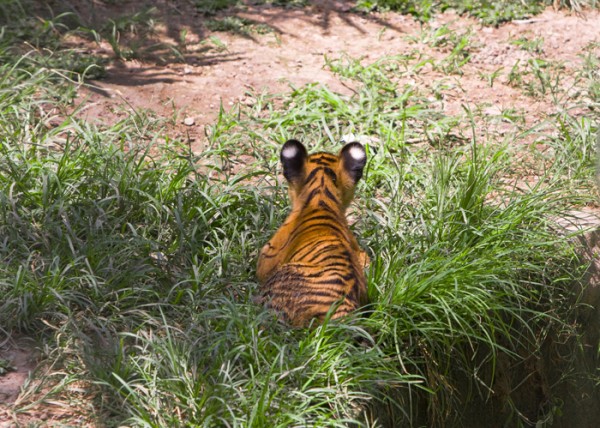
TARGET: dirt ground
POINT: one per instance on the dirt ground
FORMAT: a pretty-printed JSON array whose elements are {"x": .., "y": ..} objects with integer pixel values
[
  {"x": 19, "y": 357},
  {"x": 292, "y": 54}
]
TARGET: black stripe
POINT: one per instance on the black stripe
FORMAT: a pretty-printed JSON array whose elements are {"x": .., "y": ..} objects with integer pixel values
[
  {"x": 320, "y": 162},
  {"x": 324, "y": 255},
  {"x": 300, "y": 228},
  {"x": 333, "y": 294},
  {"x": 336, "y": 256},
  {"x": 321, "y": 251},
  {"x": 326, "y": 207},
  {"x": 333, "y": 227},
  {"x": 334, "y": 281},
  {"x": 353, "y": 295},
  {"x": 332, "y": 270},
  {"x": 310, "y": 197},
  {"x": 311, "y": 176},
  {"x": 285, "y": 294},
  {"x": 318, "y": 248},
  {"x": 319, "y": 215},
  {"x": 306, "y": 225},
  {"x": 342, "y": 311},
  {"x": 314, "y": 246},
  {"x": 330, "y": 173},
  {"x": 331, "y": 196},
  {"x": 315, "y": 302},
  {"x": 293, "y": 290},
  {"x": 350, "y": 276},
  {"x": 327, "y": 270},
  {"x": 322, "y": 158}
]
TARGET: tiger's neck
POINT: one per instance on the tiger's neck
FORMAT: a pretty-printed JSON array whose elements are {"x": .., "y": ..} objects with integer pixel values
[{"x": 320, "y": 199}]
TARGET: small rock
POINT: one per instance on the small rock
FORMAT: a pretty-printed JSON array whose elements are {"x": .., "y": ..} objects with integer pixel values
[
  {"x": 159, "y": 257},
  {"x": 189, "y": 121},
  {"x": 492, "y": 111}
]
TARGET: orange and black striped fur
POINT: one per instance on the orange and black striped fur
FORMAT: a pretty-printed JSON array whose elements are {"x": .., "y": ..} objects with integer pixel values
[{"x": 313, "y": 261}]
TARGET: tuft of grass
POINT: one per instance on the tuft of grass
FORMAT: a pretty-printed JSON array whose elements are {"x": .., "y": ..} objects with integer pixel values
[
  {"x": 490, "y": 13},
  {"x": 210, "y": 7},
  {"x": 236, "y": 25},
  {"x": 129, "y": 35},
  {"x": 5, "y": 366},
  {"x": 591, "y": 74},
  {"x": 491, "y": 77},
  {"x": 533, "y": 46},
  {"x": 538, "y": 78},
  {"x": 457, "y": 44}
]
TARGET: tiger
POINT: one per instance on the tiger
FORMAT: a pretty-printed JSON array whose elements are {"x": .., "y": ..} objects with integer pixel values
[{"x": 313, "y": 263}]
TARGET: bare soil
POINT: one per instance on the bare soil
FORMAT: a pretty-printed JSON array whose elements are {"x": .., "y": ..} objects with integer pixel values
[
  {"x": 292, "y": 54},
  {"x": 20, "y": 359}
]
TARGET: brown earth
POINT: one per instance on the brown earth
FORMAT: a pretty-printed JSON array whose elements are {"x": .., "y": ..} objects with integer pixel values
[
  {"x": 19, "y": 357},
  {"x": 292, "y": 54}
]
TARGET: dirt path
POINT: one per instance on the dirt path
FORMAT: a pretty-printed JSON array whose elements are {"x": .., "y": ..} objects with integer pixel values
[{"x": 293, "y": 55}]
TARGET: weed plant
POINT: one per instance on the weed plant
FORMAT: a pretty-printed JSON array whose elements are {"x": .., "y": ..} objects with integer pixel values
[{"x": 133, "y": 264}]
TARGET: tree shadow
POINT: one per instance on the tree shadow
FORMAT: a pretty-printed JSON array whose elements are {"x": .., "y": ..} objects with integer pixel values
[{"x": 178, "y": 31}]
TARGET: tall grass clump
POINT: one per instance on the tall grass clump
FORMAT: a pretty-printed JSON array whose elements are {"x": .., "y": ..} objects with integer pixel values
[{"x": 466, "y": 270}]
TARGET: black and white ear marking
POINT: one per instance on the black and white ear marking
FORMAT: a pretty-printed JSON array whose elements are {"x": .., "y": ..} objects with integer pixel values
[
  {"x": 293, "y": 156},
  {"x": 354, "y": 158}
]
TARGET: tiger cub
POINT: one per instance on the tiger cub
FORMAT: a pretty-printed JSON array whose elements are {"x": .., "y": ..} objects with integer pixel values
[{"x": 313, "y": 261}]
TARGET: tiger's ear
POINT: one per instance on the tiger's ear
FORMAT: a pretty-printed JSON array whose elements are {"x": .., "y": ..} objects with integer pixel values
[
  {"x": 354, "y": 159},
  {"x": 293, "y": 156}
]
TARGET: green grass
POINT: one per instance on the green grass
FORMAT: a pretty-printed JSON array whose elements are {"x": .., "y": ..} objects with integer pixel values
[
  {"x": 488, "y": 12},
  {"x": 236, "y": 25},
  {"x": 539, "y": 78},
  {"x": 212, "y": 7},
  {"x": 534, "y": 45},
  {"x": 133, "y": 263}
]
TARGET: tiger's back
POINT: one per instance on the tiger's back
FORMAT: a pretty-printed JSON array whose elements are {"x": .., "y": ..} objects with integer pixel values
[{"x": 313, "y": 262}]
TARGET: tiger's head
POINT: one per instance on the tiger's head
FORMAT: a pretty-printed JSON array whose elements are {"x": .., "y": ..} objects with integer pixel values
[{"x": 326, "y": 174}]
